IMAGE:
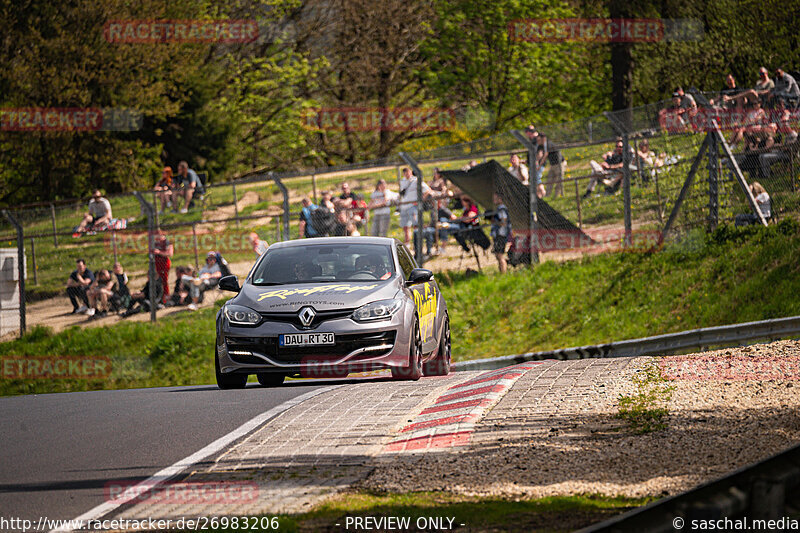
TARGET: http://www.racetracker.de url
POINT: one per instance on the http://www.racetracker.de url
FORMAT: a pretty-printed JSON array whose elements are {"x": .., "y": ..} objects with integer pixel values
[{"x": 202, "y": 523}]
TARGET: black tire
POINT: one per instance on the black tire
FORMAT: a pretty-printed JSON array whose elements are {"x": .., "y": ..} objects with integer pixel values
[
  {"x": 440, "y": 365},
  {"x": 270, "y": 379},
  {"x": 413, "y": 371},
  {"x": 228, "y": 381}
]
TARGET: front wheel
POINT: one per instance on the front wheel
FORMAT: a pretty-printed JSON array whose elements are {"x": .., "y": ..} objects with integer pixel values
[
  {"x": 270, "y": 379},
  {"x": 414, "y": 369},
  {"x": 440, "y": 365},
  {"x": 228, "y": 381}
]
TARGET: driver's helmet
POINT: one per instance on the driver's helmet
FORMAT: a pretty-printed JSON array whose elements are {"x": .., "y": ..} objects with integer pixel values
[{"x": 371, "y": 263}]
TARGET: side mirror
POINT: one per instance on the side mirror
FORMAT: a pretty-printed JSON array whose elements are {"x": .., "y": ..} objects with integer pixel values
[
  {"x": 229, "y": 283},
  {"x": 419, "y": 275}
]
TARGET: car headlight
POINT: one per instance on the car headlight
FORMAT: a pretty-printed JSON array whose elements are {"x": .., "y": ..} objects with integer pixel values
[
  {"x": 238, "y": 314},
  {"x": 380, "y": 310}
]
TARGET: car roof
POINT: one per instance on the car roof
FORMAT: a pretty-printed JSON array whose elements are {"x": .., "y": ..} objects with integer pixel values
[{"x": 334, "y": 240}]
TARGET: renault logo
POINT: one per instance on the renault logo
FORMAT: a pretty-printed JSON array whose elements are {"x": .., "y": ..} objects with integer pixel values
[{"x": 306, "y": 316}]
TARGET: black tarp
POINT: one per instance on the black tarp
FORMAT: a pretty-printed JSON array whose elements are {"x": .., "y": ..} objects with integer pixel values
[{"x": 480, "y": 183}]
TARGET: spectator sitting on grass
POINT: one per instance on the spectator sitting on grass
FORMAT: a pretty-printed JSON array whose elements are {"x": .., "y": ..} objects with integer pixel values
[
  {"x": 186, "y": 291},
  {"x": 140, "y": 300},
  {"x": 211, "y": 272},
  {"x": 78, "y": 283},
  {"x": 100, "y": 293},
  {"x": 609, "y": 171},
  {"x": 99, "y": 213},
  {"x": 518, "y": 169},
  {"x": 785, "y": 87},
  {"x": 762, "y": 201},
  {"x": 121, "y": 298},
  {"x": 164, "y": 188}
]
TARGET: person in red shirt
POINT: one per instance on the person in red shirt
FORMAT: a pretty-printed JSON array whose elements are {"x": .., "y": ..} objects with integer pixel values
[{"x": 163, "y": 250}]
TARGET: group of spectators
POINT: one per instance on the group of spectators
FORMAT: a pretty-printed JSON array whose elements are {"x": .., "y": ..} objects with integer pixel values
[
  {"x": 349, "y": 214},
  {"x": 547, "y": 156},
  {"x": 183, "y": 187}
]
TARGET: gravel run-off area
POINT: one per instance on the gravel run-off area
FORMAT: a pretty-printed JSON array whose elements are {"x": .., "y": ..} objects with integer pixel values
[{"x": 729, "y": 408}]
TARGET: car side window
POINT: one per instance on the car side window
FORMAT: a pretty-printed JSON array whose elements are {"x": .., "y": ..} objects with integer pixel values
[{"x": 406, "y": 263}]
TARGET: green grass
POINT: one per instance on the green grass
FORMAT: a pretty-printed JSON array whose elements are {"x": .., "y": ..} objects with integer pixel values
[
  {"x": 552, "y": 514},
  {"x": 730, "y": 276}
]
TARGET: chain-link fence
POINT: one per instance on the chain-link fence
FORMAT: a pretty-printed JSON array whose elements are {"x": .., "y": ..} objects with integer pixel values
[{"x": 619, "y": 179}]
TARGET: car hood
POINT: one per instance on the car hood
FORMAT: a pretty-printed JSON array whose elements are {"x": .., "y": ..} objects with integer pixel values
[{"x": 320, "y": 296}]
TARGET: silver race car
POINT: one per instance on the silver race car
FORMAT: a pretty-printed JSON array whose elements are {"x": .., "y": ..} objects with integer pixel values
[{"x": 328, "y": 307}]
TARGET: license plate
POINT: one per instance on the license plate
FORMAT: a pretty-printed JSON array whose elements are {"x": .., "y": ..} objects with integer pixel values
[{"x": 306, "y": 339}]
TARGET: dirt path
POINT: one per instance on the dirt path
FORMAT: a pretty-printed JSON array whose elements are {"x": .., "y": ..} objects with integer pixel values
[{"x": 56, "y": 312}]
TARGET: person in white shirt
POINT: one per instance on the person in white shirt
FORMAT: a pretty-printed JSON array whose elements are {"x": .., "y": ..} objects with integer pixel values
[
  {"x": 259, "y": 246},
  {"x": 381, "y": 213},
  {"x": 763, "y": 202},
  {"x": 99, "y": 212},
  {"x": 409, "y": 201},
  {"x": 518, "y": 169}
]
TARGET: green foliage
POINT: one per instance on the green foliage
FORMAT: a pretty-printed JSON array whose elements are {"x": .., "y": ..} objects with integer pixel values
[{"x": 646, "y": 409}]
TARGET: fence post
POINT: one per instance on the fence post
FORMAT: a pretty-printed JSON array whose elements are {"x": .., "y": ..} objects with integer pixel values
[
  {"x": 578, "y": 203},
  {"x": 685, "y": 188},
  {"x": 533, "y": 249},
  {"x": 713, "y": 185},
  {"x": 151, "y": 270},
  {"x": 20, "y": 268},
  {"x": 114, "y": 243},
  {"x": 285, "y": 193},
  {"x": 33, "y": 256},
  {"x": 194, "y": 243},
  {"x": 53, "y": 219},
  {"x": 155, "y": 210},
  {"x": 420, "y": 207},
  {"x": 626, "y": 186},
  {"x": 235, "y": 203},
  {"x": 314, "y": 184}
]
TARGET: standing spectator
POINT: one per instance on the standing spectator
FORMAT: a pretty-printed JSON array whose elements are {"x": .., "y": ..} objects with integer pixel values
[
  {"x": 558, "y": 167},
  {"x": 163, "y": 251},
  {"x": 409, "y": 201},
  {"x": 259, "y": 246},
  {"x": 306, "y": 226},
  {"x": 379, "y": 204},
  {"x": 100, "y": 293},
  {"x": 762, "y": 201},
  {"x": 78, "y": 283},
  {"x": 672, "y": 118},
  {"x": 542, "y": 147},
  {"x": 500, "y": 232},
  {"x": 687, "y": 100},
  {"x": 518, "y": 169},
  {"x": 324, "y": 216},
  {"x": 190, "y": 184},
  {"x": 99, "y": 213},
  {"x": 785, "y": 86},
  {"x": 164, "y": 188}
]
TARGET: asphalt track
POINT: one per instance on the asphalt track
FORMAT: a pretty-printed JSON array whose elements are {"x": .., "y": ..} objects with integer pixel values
[{"x": 59, "y": 451}]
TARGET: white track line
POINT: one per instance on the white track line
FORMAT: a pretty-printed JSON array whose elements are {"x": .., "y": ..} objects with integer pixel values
[{"x": 172, "y": 471}]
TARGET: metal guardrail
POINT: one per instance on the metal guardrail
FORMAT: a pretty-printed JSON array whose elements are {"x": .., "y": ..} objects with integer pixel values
[
  {"x": 657, "y": 345},
  {"x": 754, "y": 497}
]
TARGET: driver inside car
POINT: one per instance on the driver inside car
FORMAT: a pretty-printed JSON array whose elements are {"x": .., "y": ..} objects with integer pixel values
[{"x": 372, "y": 264}]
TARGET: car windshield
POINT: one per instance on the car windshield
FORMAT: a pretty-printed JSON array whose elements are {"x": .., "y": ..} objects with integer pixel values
[{"x": 319, "y": 263}]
